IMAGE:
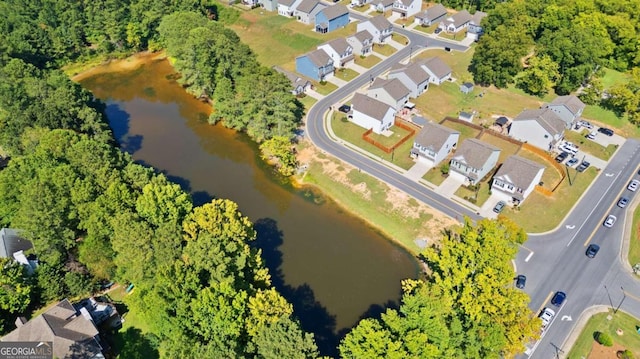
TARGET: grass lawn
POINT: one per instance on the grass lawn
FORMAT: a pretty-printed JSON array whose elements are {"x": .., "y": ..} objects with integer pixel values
[
  {"x": 307, "y": 101},
  {"x": 551, "y": 176},
  {"x": 482, "y": 194},
  {"x": 540, "y": 213},
  {"x": 634, "y": 245},
  {"x": 603, "y": 117},
  {"x": 613, "y": 77},
  {"x": 352, "y": 133},
  {"x": 434, "y": 175},
  {"x": 384, "y": 49},
  {"x": 368, "y": 61},
  {"x": 465, "y": 131},
  {"x": 588, "y": 146},
  {"x": 426, "y": 29},
  {"x": 599, "y": 323},
  {"x": 506, "y": 148},
  {"x": 324, "y": 88},
  {"x": 346, "y": 74},
  {"x": 399, "y": 38}
]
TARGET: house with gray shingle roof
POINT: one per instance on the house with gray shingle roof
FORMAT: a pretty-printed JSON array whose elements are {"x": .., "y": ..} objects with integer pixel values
[
  {"x": 382, "y": 5},
  {"x": 316, "y": 65},
  {"x": 541, "y": 128},
  {"x": 517, "y": 178},
  {"x": 407, "y": 8},
  {"x": 340, "y": 51},
  {"x": 474, "y": 29},
  {"x": 434, "y": 143},
  {"x": 378, "y": 26},
  {"x": 569, "y": 108},
  {"x": 299, "y": 85},
  {"x": 431, "y": 16},
  {"x": 73, "y": 334},
  {"x": 362, "y": 42},
  {"x": 13, "y": 246},
  {"x": 370, "y": 113},
  {"x": 473, "y": 160},
  {"x": 287, "y": 7},
  {"x": 307, "y": 10},
  {"x": 412, "y": 75},
  {"x": 437, "y": 69},
  {"x": 332, "y": 18},
  {"x": 456, "y": 22},
  {"x": 392, "y": 92},
  {"x": 269, "y": 5}
]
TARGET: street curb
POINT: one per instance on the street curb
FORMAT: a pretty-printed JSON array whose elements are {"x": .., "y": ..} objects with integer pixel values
[{"x": 580, "y": 324}]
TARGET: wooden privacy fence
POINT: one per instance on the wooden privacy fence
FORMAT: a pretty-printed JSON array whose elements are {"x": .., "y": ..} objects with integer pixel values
[
  {"x": 412, "y": 131},
  {"x": 544, "y": 154}
]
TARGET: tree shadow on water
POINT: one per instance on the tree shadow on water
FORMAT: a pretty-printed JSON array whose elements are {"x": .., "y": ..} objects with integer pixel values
[
  {"x": 313, "y": 316},
  {"x": 119, "y": 120}
]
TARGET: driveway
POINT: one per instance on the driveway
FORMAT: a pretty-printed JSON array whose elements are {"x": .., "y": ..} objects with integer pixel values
[
  {"x": 419, "y": 169},
  {"x": 336, "y": 81},
  {"x": 313, "y": 94},
  {"x": 395, "y": 44},
  {"x": 450, "y": 186},
  {"x": 357, "y": 68}
]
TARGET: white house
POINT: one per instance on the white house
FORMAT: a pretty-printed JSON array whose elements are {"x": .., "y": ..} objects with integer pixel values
[
  {"x": 541, "y": 128},
  {"x": 474, "y": 29},
  {"x": 306, "y": 11},
  {"x": 517, "y": 178},
  {"x": 413, "y": 76},
  {"x": 299, "y": 85},
  {"x": 473, "y": 160},
  {"x": 437, "y": 69},
  {"x": 406, "y": 8},
  {"x": 361, "y": 42},
  {"x": 359, "y": 3},
  {"x": 378, "y": 26},
  {"x": 287, "y": 7},
  {"x": 431, "y": 16},
  {"x": 340, "y": 51},
  {"x": 372, "y": 114},
  {"x": 434, "y": 142},
  {"x": 392, "y": 92},
  {"x": 456, "y": 22},
  {"x": 269, "y": 5},
  {"x": 382, "y": 5},
  {"x": 569, "y": 108}
]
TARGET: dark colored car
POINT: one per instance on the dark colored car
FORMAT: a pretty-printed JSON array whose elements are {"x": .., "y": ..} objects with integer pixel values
[
  {"x": 592, "y": 250},
  {"x": 558, "y": 299},
  {"x": 561, "y": 157},
  {"x": 344, "y": 108},
  {"x": 499, "y": 207},
  {"x": 606, "y": 131},
  {"x": 437, "y": 31},
  {"x": 583, "y": 166},
  {"x": 521, "y": 281}
]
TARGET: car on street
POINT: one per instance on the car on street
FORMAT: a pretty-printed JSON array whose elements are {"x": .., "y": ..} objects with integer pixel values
[
  {"x": 558, "y": 298},
  {"x": 633, "y": 185},
  {"x": 562, "y": 156},
  {"x": 572, "y": 161},
  {"x": 606, "y": 131},
  {"x": 499, "y": 206},
  {"x": 583, "y": 166},
  {"x": 592, "y": 135},
  {"x": 623, "y": 201},
  {"x": 521, "y": 281},
  {"x": 592, "y": 250},
  {"x": 546, "y": 316},
  {"x": 609, "y": 222}
]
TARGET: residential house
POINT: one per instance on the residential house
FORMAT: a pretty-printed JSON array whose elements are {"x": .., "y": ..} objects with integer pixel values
[
  {"x": 473, "y": 160},
  {"x": 250, "y": 3},
  {"x": 307, "y": 10},
  {"x": 74, "y": 335},
  {"x": 517, "y": 178},
  {"x": 434, "y": 142},
  {"x": 474, "y": 29},
  {"x": 299, "y": 85},
  {"x": 340, "y": 51},
  {"x": 466, "y": 88},
  {"x": 382, "y": 5},
  {"x": 101, "y": 313},
  {"x": 316, "y": 65},
  {"x": 359, "y": 3},
  {"x": 456, "y": 22},
  {"x": 569, "y": 108},
  {"x": 413, "y": 76},
  {"x": 406, "y": 8},
  {"x": 392, "y": 92},
  {"x": 332, "y": 18},
  {"x": 378, "y": 26},
  {"x": 371, "y": 114},
  {"x": 361, "y": 42},
  {"x": 541, "y": 128},
  {"x": 269, "y": 5},
  {"x": 431, "y": 16},
  {"x": 437, "y": 69},
  {"x": 12, "y": 246},
  {"x": 287, "y": 7}
]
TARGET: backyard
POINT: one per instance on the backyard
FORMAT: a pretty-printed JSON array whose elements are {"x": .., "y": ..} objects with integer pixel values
[
  {"x": 465, "y": 131},
  {"x": 506, "y": 148},
  {"x": 627, "y": 338},
  {"x": 551, "y": 177}
]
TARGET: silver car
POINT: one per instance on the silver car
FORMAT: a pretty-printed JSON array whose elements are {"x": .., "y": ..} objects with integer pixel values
[{"x": 611, "y": 219}]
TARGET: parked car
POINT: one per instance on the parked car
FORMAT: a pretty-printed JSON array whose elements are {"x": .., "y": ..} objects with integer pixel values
[
  {"x": 592, "y": 135},
  {"x": 499, "y": 206},
  {"x": 437, "y": 30},
  {"x": 633, "y": 185},
  {"x": 521, "y": 281},
  {"x": 583, "y": 166},
  {"x": 568, "y": 147},
  {"x": 572, "y": 161},
  {"x": 558, "y": 298},
  {"x": 344, "y": 108},
  {"x": 606, "y": 131},
  {"x": 610, "y": 221},
  {"x": 592, "y": 250},
  {"x": 546, "y": 316},
  {"x": 562, "y": 156},
  {"x": 623, "y": 201},
  {"x": 586, "y": 124}
]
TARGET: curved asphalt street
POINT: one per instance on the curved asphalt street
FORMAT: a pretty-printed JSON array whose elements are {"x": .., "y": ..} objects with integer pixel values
[{"x": 552, "y": 261}]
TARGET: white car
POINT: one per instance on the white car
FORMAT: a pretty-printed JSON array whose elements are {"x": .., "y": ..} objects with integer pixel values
[
  {"x": 546, "y": 316},
  {"x": 592, "y": 135},
  {"x": 633, "y": 185},
  {"x": 611, "y": 219}
]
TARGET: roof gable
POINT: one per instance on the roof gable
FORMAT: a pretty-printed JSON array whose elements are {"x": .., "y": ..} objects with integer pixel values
[
  {"x": 369, "y": 106},
  {"x": 518, "y": 171},
  {"x": 571, "y": 102},
  {"x": 380, "y": 22},
  {"x": 434, "y": 136},
  {"x": 394, "y": 87},
  {"x": 474, "y": 152},
  {"x": 545, "y": 117},
  {"x": 413, "y": 71}
]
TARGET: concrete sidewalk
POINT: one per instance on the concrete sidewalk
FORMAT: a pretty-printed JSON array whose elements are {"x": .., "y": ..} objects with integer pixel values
[{"x": 418, "y": 170}]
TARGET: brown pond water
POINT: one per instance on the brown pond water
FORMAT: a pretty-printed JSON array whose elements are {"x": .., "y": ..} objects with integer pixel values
[{"x": 330, "y": 265}]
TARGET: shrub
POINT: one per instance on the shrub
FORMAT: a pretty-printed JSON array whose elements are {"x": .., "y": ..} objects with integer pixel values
[
  {"x": 444, "y": 169},
  {"x": 604, "y": 339},
  {"x": 626, "y": 354}
]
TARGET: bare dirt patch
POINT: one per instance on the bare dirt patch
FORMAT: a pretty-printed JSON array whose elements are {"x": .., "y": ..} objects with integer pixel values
[{"x": 601, "y": 352}]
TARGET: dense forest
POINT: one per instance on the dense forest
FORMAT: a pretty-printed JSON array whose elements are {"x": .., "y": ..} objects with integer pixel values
[{"x": 201, "y": 287}]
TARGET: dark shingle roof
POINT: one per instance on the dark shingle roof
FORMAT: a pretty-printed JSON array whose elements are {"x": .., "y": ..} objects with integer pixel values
[
  {"x": 335, "y": 11},
  {"x": 434, "y": 136},
  {"x": 11, "y": 242},
  {"x": 474, "y": 152},
  {"x": 545, "y": 117},
  {"x": 369, "y": 106},
  {"x": 518, "y": 171}
]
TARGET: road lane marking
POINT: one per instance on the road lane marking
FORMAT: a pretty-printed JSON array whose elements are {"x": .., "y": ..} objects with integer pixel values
[
  {"x": 544, "y": 303},
  {"x": 614, "y": 203},
  {"x": 528, "y": 257},
  {"x": 570, "y": 226}
]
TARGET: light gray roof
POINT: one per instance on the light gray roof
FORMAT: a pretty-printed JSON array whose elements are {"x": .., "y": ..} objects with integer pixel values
[
  {"x": 340, "y": 45},
  {"x": 72, "y": 334},
  {"x": 363, "y": 36},
  {"x": 572, "y": 102},
  {"x": 437, "y": 66},
  {"x": 295, "y": 79},
  {"x": 433, "y": 12},
  {"x": 306, "y": 6},
  {"x": 477, "y": 17},
  {"x": 380, "y": 22},
  {"x": 434, "y": 136},
  {"x": 460, "y": 18},
  {"x": 414, "y": 71},
  {"x": 518, "y": 171},
  {"x": 545, "y": 117},
  {"x": 369, "y": 106},
  {"x": 319, "y": 57},
  {"x": 468, "y": 85},
  {"x": 394, "y": 87},
  {"x": 474, "y": 152},
  {"x": 286, "y": 2},
  {"x": 335, "y": 11},
  {"x": 406, "y": 2},
  {"x": 11, "y": 242}
]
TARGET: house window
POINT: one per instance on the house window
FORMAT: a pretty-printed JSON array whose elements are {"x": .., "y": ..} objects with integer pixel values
[
  {"x": 546, "y": 136},
  {"x": 510, "y": 187}
]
